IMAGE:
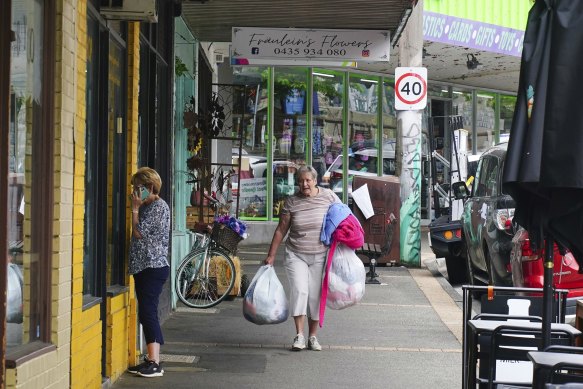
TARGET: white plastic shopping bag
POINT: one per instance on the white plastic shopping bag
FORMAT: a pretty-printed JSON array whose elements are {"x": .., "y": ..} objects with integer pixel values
[
  {"x": 346, "y": 279},
  {"x": 265, "y": 301}
]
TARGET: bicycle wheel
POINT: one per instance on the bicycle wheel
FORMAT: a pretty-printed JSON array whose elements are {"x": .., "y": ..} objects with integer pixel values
[{"x": 208, "y": 286}]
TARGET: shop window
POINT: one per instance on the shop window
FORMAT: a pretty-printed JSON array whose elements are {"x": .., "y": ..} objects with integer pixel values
[
  {"x": 438, "y": 91},
  {"x": 92, "y": 187},
  {"x": 362, "y": 126},
  {"x": 29, "y": 178},
  {"x": 250, "y": 117},
  {"x": 485, "y": 120},
  {"x": 105, "y": 148},
  {"x": 289, "y": 132},
  {"x": 327, "y": 128},
  {"x": 154, "y": 108},
  {"x": 116, "y": 158},
  {"x": 389, "y": 113},
  {"x": 462, "y": 106},
  {"x": 507, "y": 105}
]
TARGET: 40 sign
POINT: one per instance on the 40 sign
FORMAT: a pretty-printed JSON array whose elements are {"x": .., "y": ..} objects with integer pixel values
[{"x": 410, "y": 88}]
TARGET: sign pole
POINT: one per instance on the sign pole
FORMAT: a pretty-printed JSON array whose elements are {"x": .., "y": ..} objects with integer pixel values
[{"x": 410, "y": 100}]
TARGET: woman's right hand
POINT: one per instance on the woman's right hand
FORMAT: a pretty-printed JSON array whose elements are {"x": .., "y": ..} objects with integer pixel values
[
  {"x": 136, "y": 201},
  {"x": 269, "y": 260}
]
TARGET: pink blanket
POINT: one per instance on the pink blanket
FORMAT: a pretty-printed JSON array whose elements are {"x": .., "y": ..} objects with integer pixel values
[{"x": 349, "y": 232}]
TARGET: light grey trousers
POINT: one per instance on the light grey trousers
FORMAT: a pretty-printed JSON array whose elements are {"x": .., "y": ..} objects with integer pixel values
[{"x": 305, "y": 272}]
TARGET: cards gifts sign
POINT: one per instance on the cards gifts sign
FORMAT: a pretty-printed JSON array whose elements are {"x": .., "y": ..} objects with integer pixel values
[{"x": 250, "y": 43}]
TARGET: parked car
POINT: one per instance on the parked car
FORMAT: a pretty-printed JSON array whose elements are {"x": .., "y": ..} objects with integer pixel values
[
  {"x": 280, "y": 167},
  {"x": 527, "y": 270},
  {"x": 445, "y": 233},
  {"x": 362, "y": 162},
  {"x": 283, "y": 176},
  {"x": 487, "y": 209}
]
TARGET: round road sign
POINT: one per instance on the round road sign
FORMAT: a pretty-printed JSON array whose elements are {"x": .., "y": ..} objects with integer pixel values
[{"x": 410, "y": 88}]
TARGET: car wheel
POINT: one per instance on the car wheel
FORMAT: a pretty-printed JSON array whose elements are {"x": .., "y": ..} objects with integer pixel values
[{"x": 456, "y": 269}]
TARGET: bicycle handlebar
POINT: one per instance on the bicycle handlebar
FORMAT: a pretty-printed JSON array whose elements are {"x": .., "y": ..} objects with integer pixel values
[{"x": 210, "y": 198}]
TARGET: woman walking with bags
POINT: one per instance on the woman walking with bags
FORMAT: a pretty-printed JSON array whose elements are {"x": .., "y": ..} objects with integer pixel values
[{"x": 305, "y": 255}]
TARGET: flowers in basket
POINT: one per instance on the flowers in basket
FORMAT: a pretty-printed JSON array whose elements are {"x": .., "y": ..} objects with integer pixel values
[{"x": 234, "y": 224}]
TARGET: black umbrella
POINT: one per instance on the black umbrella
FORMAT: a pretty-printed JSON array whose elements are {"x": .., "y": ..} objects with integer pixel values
[{"x": 544, "y": 162}]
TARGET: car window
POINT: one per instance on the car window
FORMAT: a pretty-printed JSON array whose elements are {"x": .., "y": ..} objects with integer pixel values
[
  {"x": 487, "y": 177},
  {"x": 492, "y": 182},
  {"x": 360, "y": 163},
  {"x": 480, "y": 181}
]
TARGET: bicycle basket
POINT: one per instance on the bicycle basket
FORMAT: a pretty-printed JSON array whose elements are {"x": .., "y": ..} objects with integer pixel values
[{"x": 225, "y": 237}]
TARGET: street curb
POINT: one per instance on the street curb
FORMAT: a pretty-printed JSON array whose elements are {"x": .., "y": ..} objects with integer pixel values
[{"x": 445, "y": 307}]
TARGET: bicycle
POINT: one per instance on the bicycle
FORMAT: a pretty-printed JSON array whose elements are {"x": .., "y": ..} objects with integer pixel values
[{"x": 206, "y": 275}]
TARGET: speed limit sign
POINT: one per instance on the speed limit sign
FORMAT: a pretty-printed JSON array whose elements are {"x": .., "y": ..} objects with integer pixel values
[{"x": 410, "y": 88}]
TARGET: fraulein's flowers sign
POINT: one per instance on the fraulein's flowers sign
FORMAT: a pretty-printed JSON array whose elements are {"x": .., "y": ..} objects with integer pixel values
[{"x": 249, "y": 43}]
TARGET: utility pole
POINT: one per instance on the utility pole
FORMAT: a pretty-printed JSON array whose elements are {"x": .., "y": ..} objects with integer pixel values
[{"x": 409, "y": 138}]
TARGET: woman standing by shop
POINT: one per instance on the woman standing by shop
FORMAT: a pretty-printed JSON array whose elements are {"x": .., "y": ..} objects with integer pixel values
[
  {"x": 148, "y": 262},
  {"x": 305, "y": 255}
]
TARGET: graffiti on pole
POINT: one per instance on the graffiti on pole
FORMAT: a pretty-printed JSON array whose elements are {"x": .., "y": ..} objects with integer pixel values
[{"x": 411, "y": 189}]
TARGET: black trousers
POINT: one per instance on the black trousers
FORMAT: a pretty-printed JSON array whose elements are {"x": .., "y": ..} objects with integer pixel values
[{"x": 149, "y": 283}]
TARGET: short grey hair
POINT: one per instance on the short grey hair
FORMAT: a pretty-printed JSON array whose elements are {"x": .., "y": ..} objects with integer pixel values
[{"x": 306, "y": 169}]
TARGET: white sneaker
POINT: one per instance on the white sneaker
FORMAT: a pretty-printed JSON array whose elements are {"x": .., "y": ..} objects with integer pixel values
[
  {"x": 299, "y": 342},
  {"x": 313, "y": 344}
]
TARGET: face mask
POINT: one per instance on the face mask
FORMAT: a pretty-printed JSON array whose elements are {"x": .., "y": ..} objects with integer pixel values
[{"x": 144, "y": 193}]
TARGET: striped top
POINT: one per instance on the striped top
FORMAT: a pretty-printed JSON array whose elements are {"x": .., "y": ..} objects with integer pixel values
[{"x": 307, "y": 217}]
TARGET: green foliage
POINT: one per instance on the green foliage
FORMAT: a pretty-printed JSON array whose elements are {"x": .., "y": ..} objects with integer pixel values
[
  {"x": 358, "y": 86},
  {"x": 180, "y": 68},
  {"x": 327, "y": 87},
  {"x": 285, "y": 83}
]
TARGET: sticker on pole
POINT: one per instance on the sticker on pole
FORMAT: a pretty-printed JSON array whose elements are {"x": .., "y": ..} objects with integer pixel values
[{"x": 410, "y": 88}]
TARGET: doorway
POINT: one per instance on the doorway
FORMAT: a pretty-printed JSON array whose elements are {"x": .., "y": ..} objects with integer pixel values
[{"x": 440, "y": 135}]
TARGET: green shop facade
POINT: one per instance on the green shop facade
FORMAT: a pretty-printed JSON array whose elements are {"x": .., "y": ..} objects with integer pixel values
[
  {"x": 340, "y": 121},
  {"x": 343, "y": 123}
]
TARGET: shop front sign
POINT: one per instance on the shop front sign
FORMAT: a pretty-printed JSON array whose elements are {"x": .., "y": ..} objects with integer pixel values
[
  {"x": 470, "y": 33},
  {"x": 294, "y": 44}
]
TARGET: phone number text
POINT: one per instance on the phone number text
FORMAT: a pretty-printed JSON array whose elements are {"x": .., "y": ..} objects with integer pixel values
[{"x": 309, "y": 52}]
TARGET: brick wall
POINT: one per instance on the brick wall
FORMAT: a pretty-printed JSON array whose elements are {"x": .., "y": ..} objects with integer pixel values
[
  {"x": 86, "y": 334},
  {"x": 77, "y": 333},
  {"x": 52, "y": 370},
  {"x": 132, "y": 165}
]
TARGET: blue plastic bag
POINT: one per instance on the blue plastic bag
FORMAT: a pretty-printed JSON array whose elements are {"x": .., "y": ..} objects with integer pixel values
[{"x": 265, "y": 301}]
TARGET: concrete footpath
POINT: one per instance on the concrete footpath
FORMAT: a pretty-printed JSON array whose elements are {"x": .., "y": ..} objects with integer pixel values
[{"x": 406, "y": 333}]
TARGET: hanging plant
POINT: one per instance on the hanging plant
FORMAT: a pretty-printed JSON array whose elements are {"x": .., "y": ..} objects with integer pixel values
[
  {"x": 195, "y": 163},
  {"x": 216, "y": 117},
  {"x": 194, "y": 140},
  {"x": 191, "y": 123},
  {"x": 189, "y": 117},
  {"x": 180, "y": 67}
]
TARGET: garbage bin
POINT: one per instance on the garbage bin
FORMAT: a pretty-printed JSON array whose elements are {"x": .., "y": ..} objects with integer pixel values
[{"x": 381, "y": 231}]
